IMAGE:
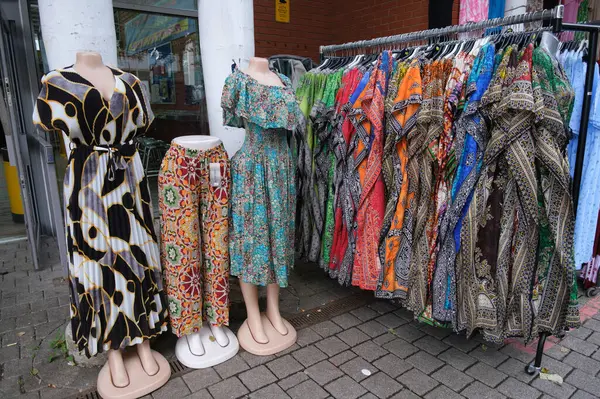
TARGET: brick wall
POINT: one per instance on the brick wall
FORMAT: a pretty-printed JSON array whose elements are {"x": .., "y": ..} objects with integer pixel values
[
  {"x": 310, "y": 26},
  {"x": 314, "y": 23}
]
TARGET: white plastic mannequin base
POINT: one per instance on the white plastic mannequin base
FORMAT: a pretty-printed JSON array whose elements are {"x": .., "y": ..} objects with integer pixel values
[
  {"x": 277, "y": 342},
  {"x": 214, "y": 353},
  {"x": 197, "y": 142},
  {"x": 140, "y": 383}
]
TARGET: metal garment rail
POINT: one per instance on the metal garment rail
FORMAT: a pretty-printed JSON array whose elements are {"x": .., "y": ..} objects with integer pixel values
[{"x": 556, "y": 17}]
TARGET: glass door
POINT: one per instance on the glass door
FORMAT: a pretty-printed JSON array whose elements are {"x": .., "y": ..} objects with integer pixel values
[{"x": 13, "y": 125}]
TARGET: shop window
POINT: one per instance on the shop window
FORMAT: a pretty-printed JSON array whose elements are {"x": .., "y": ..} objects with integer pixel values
[
  {"x": 163, "y": 51},
  {"x": 191, "y": 5}
]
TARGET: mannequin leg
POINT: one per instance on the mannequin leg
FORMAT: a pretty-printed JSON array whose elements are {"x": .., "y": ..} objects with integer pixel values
[
  {"x": 195, "y": 344},
  {"x": 250, "y": 293},
  {"x": 273, "y": 309},
  {"x": 118, "y": 373},
  {"x": 220, "y": 335},
  {"x": 147, "y": 358}
]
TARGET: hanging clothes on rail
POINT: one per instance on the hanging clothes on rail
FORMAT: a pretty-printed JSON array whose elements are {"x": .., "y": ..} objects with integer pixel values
[
  {"x": 589, "y": 201},
  {"x": 450, "y": 184}
]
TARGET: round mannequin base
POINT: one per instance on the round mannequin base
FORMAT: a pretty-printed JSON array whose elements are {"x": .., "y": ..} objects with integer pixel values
[
  {"x": 140, "y": 383},
  {"x": 213, "y": 352},
  {"x": 276, "y": 344}
]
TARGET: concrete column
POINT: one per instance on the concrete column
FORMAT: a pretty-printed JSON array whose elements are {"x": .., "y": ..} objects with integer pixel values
[
  {"x": 515, "y": 7},
  {"x": 226, "y": 34},
  {"x": 70, "y": 26}
]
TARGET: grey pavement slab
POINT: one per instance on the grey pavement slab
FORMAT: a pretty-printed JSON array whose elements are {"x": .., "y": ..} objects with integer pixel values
[
  {"x": 353, "y": 336},
  {"x": 457, "y": 359},
  {"x": 417, "y": 381},
  {"x": 486, "y": 374},
  {"x": 284, "y": 366},
  {"x": 392, "y": 365},
  {"x": 307, "y": 390},
  {"x": 369, "y": 351},
  {"x": 358, "y": 368},
  {"x": 293, "y": 380},
  {"x": 381, "y": 385},
  {"x": 425, "y": 362},
  {"x": 345, "y": 388},
  {"x": 400, "y": 348},
  {"x": 374, "y": 351},
  {"x": 443, "y": 392},
  {"x": 516, "y": 389},
  {"x": 373, "y": 328},
  {"x": 452, "y": 378},
  {"x": 323, "y": 372},
  {"x": 309, "y": 355},
  {"x": 227, "y": 389},
  {"x": 431, "y": 345},
  {"x": 272, "y": 391},
  {"x": 342, "y": 358},
  {"x": 257, "y": 377}
]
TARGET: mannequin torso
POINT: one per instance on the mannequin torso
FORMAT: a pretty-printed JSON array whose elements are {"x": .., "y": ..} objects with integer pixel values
[
  {"x": 197, "y": 142},
  {"x": 90, "y": 66},
  {"x": 258, "y": 68}
]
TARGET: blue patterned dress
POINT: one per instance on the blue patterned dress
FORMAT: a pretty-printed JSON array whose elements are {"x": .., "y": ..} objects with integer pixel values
[{"x": 263, "y": 171}]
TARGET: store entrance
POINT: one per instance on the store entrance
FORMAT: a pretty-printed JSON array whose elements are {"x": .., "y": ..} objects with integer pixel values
[{"x": 18, "y": 219}]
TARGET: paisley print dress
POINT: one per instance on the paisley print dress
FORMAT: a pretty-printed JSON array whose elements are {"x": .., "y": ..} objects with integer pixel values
[
  {"x": 117, "y": 296},
  {"x": 263, "y": 173}
]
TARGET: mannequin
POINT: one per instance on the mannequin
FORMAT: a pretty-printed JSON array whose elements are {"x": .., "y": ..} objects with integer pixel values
[
  {"x": 258, "y": 68},
  {"x": 269, "y": 333},
  {"x": 89, "y": 65},
  {"x": 198, "y": 350},
  {"x": 127, "y": 376}
]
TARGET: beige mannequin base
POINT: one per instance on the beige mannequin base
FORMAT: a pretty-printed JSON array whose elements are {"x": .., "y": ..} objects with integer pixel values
[
  {"x": 140, "y": 383},
  {"x": 276, "y": 344}
]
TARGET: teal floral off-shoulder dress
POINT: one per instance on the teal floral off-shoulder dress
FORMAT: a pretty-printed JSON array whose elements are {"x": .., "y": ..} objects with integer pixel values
[{"x": 263, "y": 171}]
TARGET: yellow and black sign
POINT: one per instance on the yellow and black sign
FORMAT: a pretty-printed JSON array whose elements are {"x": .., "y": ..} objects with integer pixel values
[{"x": 282, "y": 11}]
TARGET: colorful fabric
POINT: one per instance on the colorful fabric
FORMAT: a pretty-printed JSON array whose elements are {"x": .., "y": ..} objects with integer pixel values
[
  {"x": 371, "y": 205},
  {"x": 117, "y": 297},
  {"x": 341, "y": 257},
  {"x": 263, "y": 173},
  {"x": 395, "y": 247},
  {"x": 194, "y": 237},
  {"x": 473, "y": 11}
]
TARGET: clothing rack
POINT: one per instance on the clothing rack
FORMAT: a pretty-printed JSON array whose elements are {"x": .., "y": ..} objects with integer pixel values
[{"x": 555, "y": 19}]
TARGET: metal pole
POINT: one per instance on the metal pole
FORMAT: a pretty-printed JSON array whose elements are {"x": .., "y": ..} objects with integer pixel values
[{"x": 585, "y": 115}]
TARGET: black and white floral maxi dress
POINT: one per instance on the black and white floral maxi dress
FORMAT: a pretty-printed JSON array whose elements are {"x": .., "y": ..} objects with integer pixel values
[{"x": 117, "y": 296}]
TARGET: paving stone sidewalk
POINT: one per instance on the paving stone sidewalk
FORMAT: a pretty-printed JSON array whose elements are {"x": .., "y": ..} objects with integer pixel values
[{"x": 375, "y": 351}]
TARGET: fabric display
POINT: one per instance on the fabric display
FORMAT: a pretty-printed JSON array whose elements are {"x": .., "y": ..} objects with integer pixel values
[
  {"x": 263, "y": 191},
  {"x": 438, "y": 177},
  {"x": 194, "y": 232},
  {"x": 589, "y": 201},
  {"x": 117, "y": 296}
]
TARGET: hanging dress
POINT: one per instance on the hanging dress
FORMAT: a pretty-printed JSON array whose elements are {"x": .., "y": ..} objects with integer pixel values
[
  {"x": 263, "y": 173},
  {"x": 394, "y": 246},
  {"x": 371, "y": 203},
  {"x": 115, "y": 282}
]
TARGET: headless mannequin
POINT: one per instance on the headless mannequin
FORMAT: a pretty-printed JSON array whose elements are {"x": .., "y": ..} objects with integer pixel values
[
  {"x": 258, "y": 69},
  {"x": 90, "y": 66},
  {"x": 202, "y": 143}
]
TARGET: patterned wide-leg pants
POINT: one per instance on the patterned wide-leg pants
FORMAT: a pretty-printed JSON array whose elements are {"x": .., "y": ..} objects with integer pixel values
[{"x": 194, "y": 204}]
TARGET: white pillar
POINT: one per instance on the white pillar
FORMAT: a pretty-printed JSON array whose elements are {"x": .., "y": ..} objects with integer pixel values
[
  {"x": 226, "y": 34},
  {"x": 70, "y": 26},
  {"x": 515, "y": 7}
]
